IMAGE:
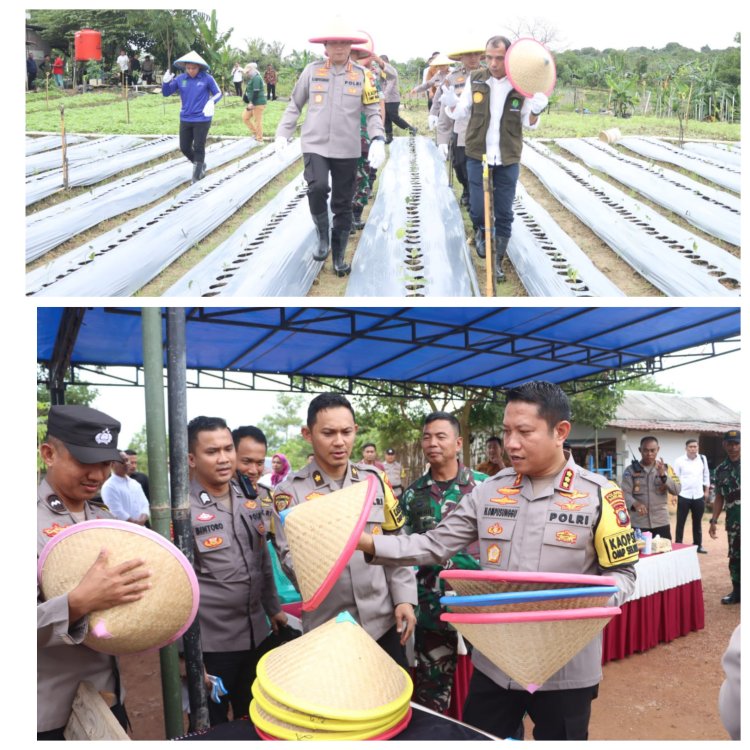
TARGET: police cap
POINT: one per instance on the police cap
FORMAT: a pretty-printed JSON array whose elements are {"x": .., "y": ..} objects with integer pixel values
[
  {"x": 732, "y": 436},
  {"x": 89, "y": 435}
]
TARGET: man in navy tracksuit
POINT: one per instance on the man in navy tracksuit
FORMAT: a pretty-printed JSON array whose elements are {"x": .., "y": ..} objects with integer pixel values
[{"x": 198, "y": 92}]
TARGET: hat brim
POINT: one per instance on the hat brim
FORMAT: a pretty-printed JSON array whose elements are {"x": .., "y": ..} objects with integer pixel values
[
  {"x": 87, "y": 454},
  {"x": 351, "y": 39},
  {"x": 456, "y": 56}
]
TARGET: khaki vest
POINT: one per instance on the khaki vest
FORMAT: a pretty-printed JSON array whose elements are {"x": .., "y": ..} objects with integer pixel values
[{"x": 511, "y": 127}]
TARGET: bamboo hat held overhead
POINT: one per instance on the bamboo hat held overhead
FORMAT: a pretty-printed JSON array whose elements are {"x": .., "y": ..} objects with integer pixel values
[
  {"x": 192, "y": 57},
  {"x": 339, "y": 31},
  {"x": 530, "y": 67},
  {"x": 365, "y": 49}
]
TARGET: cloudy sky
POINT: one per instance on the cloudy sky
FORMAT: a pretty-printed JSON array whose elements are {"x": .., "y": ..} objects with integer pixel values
[{"x": 406, "y": 30}]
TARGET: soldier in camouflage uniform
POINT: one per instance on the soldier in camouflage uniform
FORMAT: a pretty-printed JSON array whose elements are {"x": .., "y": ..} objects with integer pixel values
[
  {"x": 727, "y": 482},
  {"x": 425, "y": 503}
]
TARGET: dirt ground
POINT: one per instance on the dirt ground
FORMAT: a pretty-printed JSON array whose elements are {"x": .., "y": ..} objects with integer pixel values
[{"x": 668, "y": 693}]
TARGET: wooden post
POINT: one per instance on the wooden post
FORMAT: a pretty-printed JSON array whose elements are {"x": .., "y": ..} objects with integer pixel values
[
  {"x": 64, "y": 147},
  {"x": 489, "y": 220},
  {"x": 91, "y": 718}
]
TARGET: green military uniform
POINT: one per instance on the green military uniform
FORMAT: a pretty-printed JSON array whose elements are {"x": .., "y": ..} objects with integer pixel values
[
  {"x": 425, "y": 503},
  {"x": 727, "y": 482}
]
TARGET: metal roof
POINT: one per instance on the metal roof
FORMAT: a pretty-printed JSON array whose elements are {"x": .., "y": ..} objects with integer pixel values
[
  {"x": 644, "y": 410},
  {"x": 385, "y": 348}
]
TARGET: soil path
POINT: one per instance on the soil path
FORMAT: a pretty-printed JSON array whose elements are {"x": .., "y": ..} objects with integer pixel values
[{"x": 668, "y": 693}]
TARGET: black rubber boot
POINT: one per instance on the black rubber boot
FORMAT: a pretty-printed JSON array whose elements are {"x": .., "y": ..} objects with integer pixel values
[
  {"x": 357, "y": 222},
  {"x": 197, "y": 169},
  {"x": 203, "y": 170},
  {"x": 479, "y": 241},
  {"x": 500, "y": 250},
  {"x": 321, "y": 225},
  {"x": 339, "y": 239},
  {"x": 465, "y": 198},
  {"x": 734, "y": 597}
]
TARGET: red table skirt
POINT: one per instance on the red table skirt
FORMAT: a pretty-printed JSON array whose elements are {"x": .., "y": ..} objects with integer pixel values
[{"x": 641, "y": 625}]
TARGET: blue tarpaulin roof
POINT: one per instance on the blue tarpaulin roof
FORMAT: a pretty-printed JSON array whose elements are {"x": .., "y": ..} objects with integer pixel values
[{"x": 468, "y": 346}]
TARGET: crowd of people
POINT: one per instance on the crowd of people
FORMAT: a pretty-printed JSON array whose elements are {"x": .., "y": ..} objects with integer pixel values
[{"x": 444, "y": 516}]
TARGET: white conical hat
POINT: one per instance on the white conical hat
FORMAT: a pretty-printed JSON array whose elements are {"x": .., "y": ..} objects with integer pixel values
[
  {"x": 440, "y": 59},
  {"x": 466, "y": 49},
  {"x": 530, "y": 67},
  {"x": 192, "y": 57},
  {"x": 323, "y": 535},
  {"x": 335, "y": 670},
  {"x": 165, "y": 610},
  {"x": 339, "y": 31},
  {"x": 531, "y": 646},
  {"x": 365, "y": 49}
]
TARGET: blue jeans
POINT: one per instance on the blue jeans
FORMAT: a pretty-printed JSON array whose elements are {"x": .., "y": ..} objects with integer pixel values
[{"x": 504, "y": 181}]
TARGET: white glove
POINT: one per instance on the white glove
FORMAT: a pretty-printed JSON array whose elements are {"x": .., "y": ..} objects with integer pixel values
[
  {"x": 443, "y": 149},
  {"x": 449, "y": 98},
  {"x": 280, "y": 144},
  {"x": 208, "y": 109},
  {"x": 376, "y": 156},
  {"x": 432, "y": 121},
  {"x": 167, "y": 77},
  {"x": 539, "y": 103}
]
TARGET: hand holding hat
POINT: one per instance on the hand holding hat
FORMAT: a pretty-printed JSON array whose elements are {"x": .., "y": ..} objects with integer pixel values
[
  {"x": 432, "y": 122},
  {"x": 376, "y": 156},
  {"x": 168, "y": 76},
  {"x": 209, "y": 108},
  {"x": 539, "y": 103},
  {"x": 443, "y": 149}
]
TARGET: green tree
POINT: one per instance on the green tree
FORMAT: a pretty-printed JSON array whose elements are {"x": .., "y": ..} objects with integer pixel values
[
  {"x": 211, "y": 40},
  {"x": 284, "y": 422}
]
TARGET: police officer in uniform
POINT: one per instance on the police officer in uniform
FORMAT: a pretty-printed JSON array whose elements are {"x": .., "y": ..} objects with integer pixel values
[
  {"x": 727, "y": 482},
  {"x": 451, "y": 135},
  {"x": 80, "y": 445},
  {"x": 336, "y": 91},
  {"x": 395, "y": 473},
  {"x": 381, "y": 600},
  {"x": 544, "y": 513},
  {"x": 426, "y": 502},
  {"x": 646, "y": 484},
  {"x": 496, "y": 116},
  {"x": 237, "y": 591}
]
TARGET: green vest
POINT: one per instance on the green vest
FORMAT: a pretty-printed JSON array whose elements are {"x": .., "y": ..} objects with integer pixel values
[{"x": 511, "y": 127}]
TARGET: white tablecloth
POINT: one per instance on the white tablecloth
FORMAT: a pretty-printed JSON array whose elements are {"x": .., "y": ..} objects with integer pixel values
[{"x": 666, "y": 571}]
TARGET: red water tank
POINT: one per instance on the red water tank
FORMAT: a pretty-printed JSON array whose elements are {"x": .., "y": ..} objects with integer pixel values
[{"x": 88, "y": 44}]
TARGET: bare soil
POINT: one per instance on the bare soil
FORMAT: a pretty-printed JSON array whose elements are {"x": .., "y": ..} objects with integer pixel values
[{"x": 668, "y": 693}]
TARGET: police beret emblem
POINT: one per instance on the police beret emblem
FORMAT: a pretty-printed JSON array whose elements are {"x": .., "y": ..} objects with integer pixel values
[{"x": 104, "y": 437}]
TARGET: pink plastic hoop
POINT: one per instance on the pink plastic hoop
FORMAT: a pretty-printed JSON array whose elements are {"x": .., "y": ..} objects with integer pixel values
[
  {"x": 520, "y": 576},
  {"x": 543, "y": 615}
]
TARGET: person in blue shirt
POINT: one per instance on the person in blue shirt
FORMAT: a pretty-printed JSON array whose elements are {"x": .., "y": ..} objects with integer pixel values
[{"x": 199, "y": 92}]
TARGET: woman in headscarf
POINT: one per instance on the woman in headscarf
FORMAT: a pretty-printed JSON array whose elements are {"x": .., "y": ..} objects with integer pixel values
[
  {"x": 280, "y": 468},
  {"x": 198, "y": 92}
]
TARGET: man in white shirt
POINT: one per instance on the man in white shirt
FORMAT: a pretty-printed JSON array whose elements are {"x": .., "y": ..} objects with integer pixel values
[
  {"x": 692, "y": 469},
  {"x": 497, "y": 115},
  {"x": 123, "y": 62},
  {"x": 124, "y": 496}
]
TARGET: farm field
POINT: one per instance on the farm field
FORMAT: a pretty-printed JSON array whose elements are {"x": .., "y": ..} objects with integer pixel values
[{"x": 588, "y": 258}]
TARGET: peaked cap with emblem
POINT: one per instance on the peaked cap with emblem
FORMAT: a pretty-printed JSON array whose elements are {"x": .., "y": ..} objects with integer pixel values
[
  {"x": 732, "y": 436},
  {"x": 89, "y": 435}
]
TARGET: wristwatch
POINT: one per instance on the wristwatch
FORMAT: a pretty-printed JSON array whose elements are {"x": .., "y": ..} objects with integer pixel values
[{"x": 713, "y": 521}]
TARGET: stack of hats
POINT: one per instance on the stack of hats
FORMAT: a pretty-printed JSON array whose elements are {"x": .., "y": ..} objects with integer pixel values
[
  {"x": 337, "y": 521},
  {"x": 164, "y": 611},
  {"x": 333, "y": 683},
  {"x": 528, "y": 624}
]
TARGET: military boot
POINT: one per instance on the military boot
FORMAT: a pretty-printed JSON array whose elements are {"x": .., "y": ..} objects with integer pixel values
[
  {"x": 339, "y": 239},
  {"x": 734, "y": 597},
  {"x": 500, "y": 250},
  {"x": 321, "y": 225}
]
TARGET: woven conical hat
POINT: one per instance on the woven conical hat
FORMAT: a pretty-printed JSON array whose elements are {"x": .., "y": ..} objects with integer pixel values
[
  {"x": 530, "y": 67},
  {"x": 335, "y": 670},
  {"x": 191, "y": 57},
  {"x": 275, "y": 728},
  {"x": 473, "y": 582},
  {"x": 529, "y": 601},
  {"x": 311, "y": 721},
  {"x": 465, "y": 50},
  {"x": 165, "y": 610},
  {"x": 365, "y": 49},
  {"x": 440, "y": 59},
  {"x": 531, "y": 646},
  {"x": 339, "y": 31},
  {"x": 323, "y": 535}
]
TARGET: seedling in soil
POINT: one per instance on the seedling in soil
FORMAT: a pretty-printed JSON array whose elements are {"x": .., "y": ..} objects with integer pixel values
[{"x": 400, "y": 233}]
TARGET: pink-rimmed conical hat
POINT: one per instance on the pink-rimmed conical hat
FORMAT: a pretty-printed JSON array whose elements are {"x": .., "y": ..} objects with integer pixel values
[
  {"x": 530, "y": 67},
  {"x": 474, "y": 582},
  {"x": 336, "y": 671},
  {"x": 338, "y": 30},
  {"x": 164, "y": 612},
  {"x": 323, "y": 535},
  {"x": 531, "y": 646}
]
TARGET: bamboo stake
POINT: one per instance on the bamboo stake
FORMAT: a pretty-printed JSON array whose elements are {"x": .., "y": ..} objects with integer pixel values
[
  {"x": 64, "y": 147},
  {"x": 488, "y": 222}
]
